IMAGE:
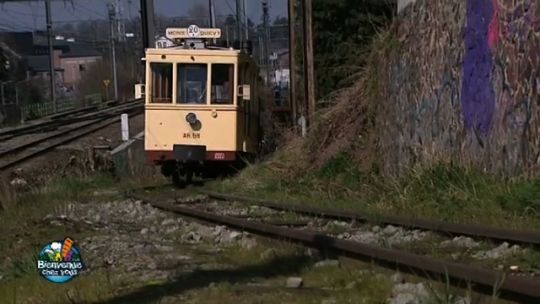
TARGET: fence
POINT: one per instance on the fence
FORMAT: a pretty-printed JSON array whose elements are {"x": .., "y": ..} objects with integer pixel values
[{"x": 37, "y": 110}]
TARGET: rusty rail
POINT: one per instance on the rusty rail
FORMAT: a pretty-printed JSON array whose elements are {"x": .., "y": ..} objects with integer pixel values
[
  {"x": 529, "y": 237},
  {"x": 516, "y": 288}
]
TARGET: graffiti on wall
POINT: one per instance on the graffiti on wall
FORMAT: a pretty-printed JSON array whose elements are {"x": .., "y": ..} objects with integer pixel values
[
  {"x": 517, "y": 60},
  {"x": 464, "y": 85},
  {"x": 477, "y": 93},
  {"x": 489, "y": 22}
]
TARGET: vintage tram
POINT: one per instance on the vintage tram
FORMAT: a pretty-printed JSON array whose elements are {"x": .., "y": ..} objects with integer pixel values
[{"x": 202, "y": 105}]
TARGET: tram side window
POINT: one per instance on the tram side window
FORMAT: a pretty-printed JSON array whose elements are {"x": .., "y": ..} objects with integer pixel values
[
  {"x": 162, "y": 81},
  {"x": 192, "y": 82},
  {"x": 222, "y": 83}
]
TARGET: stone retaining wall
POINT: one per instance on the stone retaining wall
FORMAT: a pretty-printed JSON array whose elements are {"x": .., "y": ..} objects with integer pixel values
[{"x": 463, "y": 86}]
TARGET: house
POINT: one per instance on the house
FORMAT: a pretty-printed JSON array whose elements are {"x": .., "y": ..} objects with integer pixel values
[
  {"x": 280, "y": 68},
  {"x": 71, "y": 61},
  {"x": 76, "y": 61},
  {"x": 163, "y": 42}
]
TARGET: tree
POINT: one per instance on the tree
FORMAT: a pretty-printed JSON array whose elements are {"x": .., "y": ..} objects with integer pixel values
[
  {"x": 343, "y": 30},
  {"x": 199, "y": 14},
  {"x": 280, "y": 20},
  {"x": 4, "y": 66}
]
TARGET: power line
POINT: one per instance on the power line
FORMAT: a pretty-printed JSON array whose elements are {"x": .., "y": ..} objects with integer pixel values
[
  {"x": 22, "y": 13},
  {"x": 16, "y": 23},
  {"x": 230, "y": 7},
  {"x": 80, "y": 6}
]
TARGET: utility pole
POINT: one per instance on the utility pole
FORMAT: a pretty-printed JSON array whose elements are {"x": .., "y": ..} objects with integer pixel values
[
  {"x": 51, "y": 54},
  {"x": 309, "y": 61},
  {"x": 2, "y": 93},
  {"x": 112, "y": 45},
  {"x": 246, "y": 25},
  {"x": 292, "y": 59},
  {"x": 239, "y": 21},
  {"x": 212, "y": 13},
  {"x": 120, "y": 22},
  {"x": 266, "y": 28},
  {"x": 147, "y": 18}
]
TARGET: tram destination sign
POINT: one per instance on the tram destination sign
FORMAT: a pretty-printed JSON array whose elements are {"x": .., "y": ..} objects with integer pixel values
[{"x": 194, "y": 32}]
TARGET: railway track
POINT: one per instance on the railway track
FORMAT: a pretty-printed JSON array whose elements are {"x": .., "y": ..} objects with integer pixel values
[
  {"x": 510, "y": 285},
  {"x": 61, "y": 119},
  {"x": 21, "y": 144},
  {"x": 527, "y": 237}
]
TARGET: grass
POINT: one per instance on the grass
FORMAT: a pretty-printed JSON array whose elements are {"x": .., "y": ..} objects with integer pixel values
[
  {"x": 31, "y": 288},
  {"x": 347, "y": 284},
  {"x": 443, "y": 191},
  {"x": 235, "y": 275},
  {"x": 25, "y": 231}
]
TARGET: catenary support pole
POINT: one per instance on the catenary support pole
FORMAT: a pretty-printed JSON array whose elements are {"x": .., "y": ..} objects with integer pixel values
[
  {"x": 51, "y": 54},
  {"x": 292, "y": 60},
  {"x": 212, "y": 7},
  {"x": 266, "y": 28},
  {"x": 246, "y": 25},
  {"x": 309, "y": 61},
  {"x": 147, "y": 18},
  {"x": 212, "y": 16},
  {"x": 112, "y": 45},
  {"x": 239, "y": 19}
]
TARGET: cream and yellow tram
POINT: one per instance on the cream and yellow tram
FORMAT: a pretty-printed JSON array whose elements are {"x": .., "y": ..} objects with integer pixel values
[{"x": 202, "y": 107}]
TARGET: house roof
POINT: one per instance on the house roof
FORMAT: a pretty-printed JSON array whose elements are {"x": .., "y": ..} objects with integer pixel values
[
  {"x": 69, "y": 50},
  {"x": 38, "y": 63},
  {"x": 79, "y": 50}
]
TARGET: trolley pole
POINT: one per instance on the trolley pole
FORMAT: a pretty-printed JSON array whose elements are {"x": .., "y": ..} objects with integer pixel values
[
  {"x": 51, "y": 54},
  {"x": 309, "y": 69},
  {"x": 112, "y": 44},
  {"x": 292, "y": 60}
]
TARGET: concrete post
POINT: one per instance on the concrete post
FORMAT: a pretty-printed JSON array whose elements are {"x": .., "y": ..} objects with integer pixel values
[{"x": 125, "y": 127}]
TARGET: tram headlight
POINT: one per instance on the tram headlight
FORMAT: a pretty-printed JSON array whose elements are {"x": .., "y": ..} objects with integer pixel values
[{"x": 191, "y": 118}]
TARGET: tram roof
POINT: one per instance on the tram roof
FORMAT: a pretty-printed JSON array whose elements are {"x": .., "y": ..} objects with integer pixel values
[{"x": 183, "y": 51}]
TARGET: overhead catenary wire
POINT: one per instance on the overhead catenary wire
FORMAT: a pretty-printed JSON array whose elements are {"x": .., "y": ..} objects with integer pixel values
[{"x": 80, "y": 6}]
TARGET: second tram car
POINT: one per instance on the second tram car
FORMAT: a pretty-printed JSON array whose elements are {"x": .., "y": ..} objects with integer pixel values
[{"x": 202, "y": 105}]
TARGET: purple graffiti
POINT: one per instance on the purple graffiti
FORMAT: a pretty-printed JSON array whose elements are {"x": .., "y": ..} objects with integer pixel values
[
  {"x": 520, "y": 20},
  {"x": 477, "y": 94}
]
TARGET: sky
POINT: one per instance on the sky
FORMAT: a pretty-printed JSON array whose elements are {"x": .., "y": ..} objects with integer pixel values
[{"x": 28, "y": 15}]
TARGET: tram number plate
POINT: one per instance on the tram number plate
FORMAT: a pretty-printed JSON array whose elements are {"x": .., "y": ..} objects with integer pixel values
[
  {"x": 219, "y": 155},
  {"x": 192, "y": 135}
]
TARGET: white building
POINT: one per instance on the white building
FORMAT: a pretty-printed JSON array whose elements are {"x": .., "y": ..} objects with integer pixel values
[{"x": 163, "y": 42}]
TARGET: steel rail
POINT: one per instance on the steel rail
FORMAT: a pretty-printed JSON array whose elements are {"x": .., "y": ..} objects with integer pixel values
[
  {"x": 529, "y": 237},
  {"x": 56, "y": 134},
  {"x": 61, "y": 115},
  {"x": 91, "y": 121},
  {"x": 57, "y": 118},
  {"x": 487, "y": 281},
  {"x": 65, "y": 140},
  {"x": 55, "y": 123}
]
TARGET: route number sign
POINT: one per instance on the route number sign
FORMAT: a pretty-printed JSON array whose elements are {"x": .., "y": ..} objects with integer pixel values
[{"x": 193, "y": 31}]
